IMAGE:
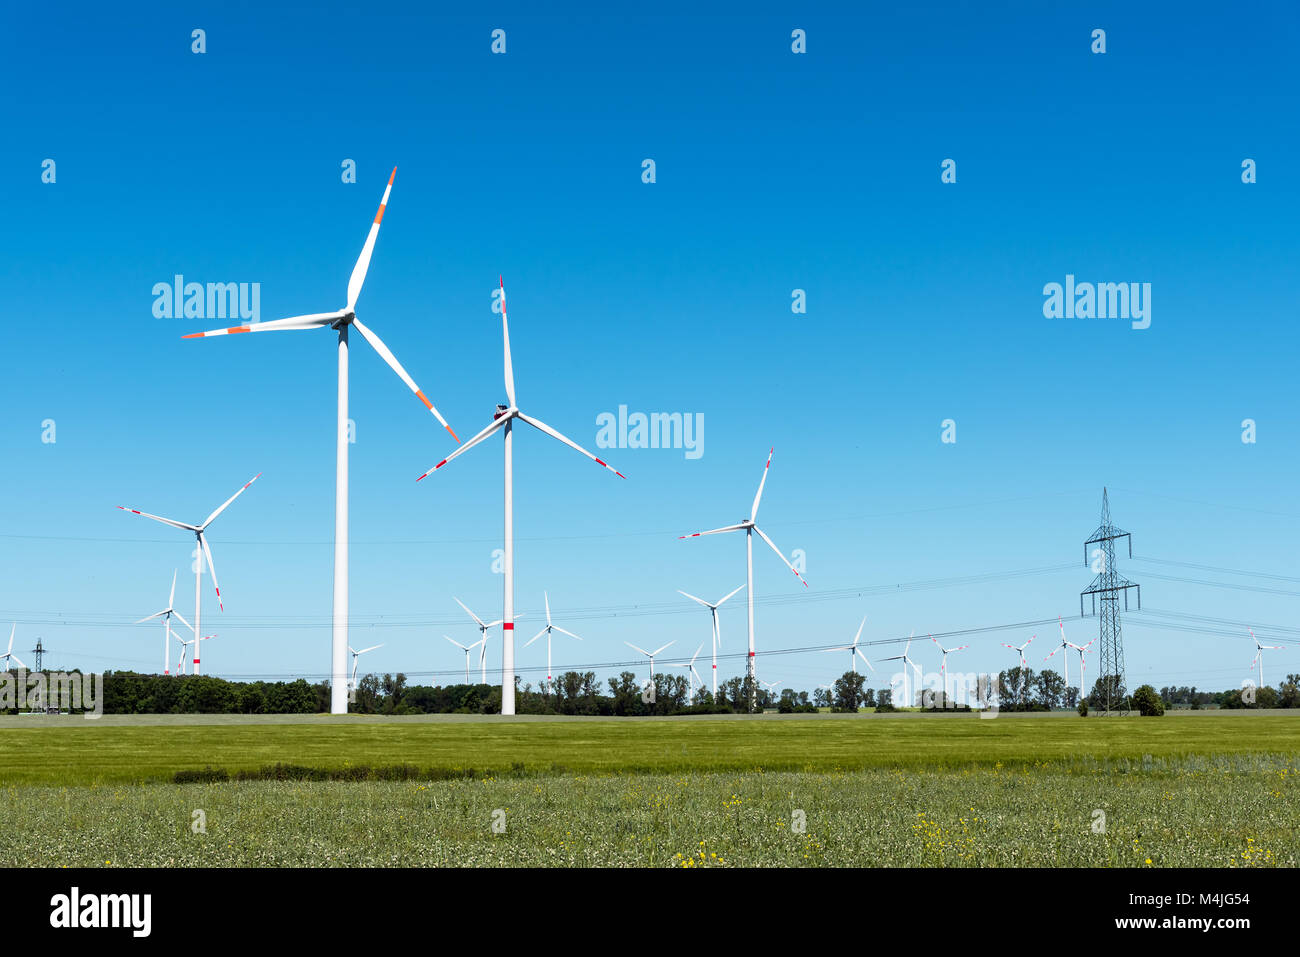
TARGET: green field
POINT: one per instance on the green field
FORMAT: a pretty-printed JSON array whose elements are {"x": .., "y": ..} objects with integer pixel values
[{"x": 1212, "y": 789}]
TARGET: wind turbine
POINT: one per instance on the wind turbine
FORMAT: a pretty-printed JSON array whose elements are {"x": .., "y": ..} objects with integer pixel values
[
  {"x": 547, "y": 632},
  {"x": 503, "y": 419},
  {"x": 906, "y": 663},
  {"x": 750, "y": 528},
  {"x": 854, "y": 651},
  {"x": 1259, "y": 655},
  {"x": 340, "y": 321},
  {"x": 166, "y": 616},
  {"x": 180, "y": 665},
  {"x": 1021, "y": 650},
  {"x": 943, "y": 665},
  {"x": 467, "y": 649},
  {"x": 198, "y": 531},
  {"x": 355, "y": 655},
  {"x": 483, "y": 628},
  {"x": 690, "y": 667},
  {"x": 9, "y": 655},
  {"x": 717, "y": 629},
  {"x": 1065, "y": 660},
  {"x": 649, "y": 654}
]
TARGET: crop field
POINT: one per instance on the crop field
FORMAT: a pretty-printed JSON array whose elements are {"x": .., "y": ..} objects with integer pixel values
[{"x": 1203, "y": 789}]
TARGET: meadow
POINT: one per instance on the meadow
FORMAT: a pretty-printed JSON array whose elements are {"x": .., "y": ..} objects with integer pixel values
[{"x": 906, "y": 790}]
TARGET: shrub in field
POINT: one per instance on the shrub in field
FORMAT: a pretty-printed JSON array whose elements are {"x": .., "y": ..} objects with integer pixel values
[
  {"x": 1147, "y": 702},
  {"x": 1083, "y": 707},
  {"x": 204, "y": 776}
]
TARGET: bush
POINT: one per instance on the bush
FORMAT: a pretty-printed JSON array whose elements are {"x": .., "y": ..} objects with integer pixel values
[
  {"x": 1148, "y": 702},
  {"x": 1083, "y": 707},
  {"x": 205, "y": 776}
]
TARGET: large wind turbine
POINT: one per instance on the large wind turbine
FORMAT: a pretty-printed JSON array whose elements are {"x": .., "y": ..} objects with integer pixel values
[
  {"x": 907, "y": 662},
  {"x": 198, "y": 531},
  {"x": 1259, "y": 655},
  {"x": 340, "y": 321},
  {"x": 749, "y": 529},
  {"x": 503, "y": 419},
  {"x": 854, "y": 651},
  {"x": 467, "y": 649},
  {"x": 166, "y": 616},
  {"x": 547, "y": 632},
  {"x": 9, "y": 655},
  {"x": 717, "y": 629}
]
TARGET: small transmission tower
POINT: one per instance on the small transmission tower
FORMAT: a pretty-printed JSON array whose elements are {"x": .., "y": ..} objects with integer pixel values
[
  {"x": 39, "y": 653},
  {"x": 1107, "y": 586}
]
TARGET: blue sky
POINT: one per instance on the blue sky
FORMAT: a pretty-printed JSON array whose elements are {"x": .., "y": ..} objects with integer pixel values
[{"x": 775, "y": 171}]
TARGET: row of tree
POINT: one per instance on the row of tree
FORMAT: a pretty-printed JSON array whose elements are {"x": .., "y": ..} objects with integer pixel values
[{"x": 580, "y": 693}]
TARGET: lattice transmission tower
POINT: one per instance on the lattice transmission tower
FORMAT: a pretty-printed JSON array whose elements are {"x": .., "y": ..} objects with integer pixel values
[{"x": 1099, "y": 554}]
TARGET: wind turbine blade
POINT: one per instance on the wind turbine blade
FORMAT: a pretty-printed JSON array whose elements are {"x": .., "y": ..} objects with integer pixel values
[
  {"x": 363, "y": 261},
  {"x": 150, "y": 618},
  {"x": 470, "y": 613},
  {"x": 387, "y": 355},
  {"x": 21, "y": 663},
  {"x": 159, "y": 518},
  {"x": 534, "y": 638},
  {"x": 713, "y": 531},
  {"x": 859, "y": 634},
  {"x": 569, "y": 442},
  {"x": 488, "y": 430},
  {"x": 183, "y": 621},
  {"x": 763, "y": 536},
  {"x": 657, "y": 650},
  {"x": 207, "y": 552},
  {"x": 457, "y": 643},
  {"x": 14, "y": 630},
  {"x": 864, "y": 659},
  {"x": 363, "y": 650},
  {"x": 226, "y": 503},
  {"x": 729, "y": 594},
  {"x": 171, "y": 601},
  {"x": 564, "y": 632},
  {"x": 753, "y": 512},
  {"x": 635, "y": 648},
  {"x": 693, "y": 598},
  {"x": 547, "y": 598},
  {"x": 507, "y": 366},
  {"x": 313, "y": 321}
]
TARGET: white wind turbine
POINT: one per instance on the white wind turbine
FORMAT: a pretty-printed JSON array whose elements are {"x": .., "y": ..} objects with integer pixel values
[
  {"x": 717, "y": 629},
  {"x": 907, "y": 662},
  {"x": 1259, "y": 655},
  {"x": 198, "y": 531},
  {"x": 9, "y": 655},
  {"x": 854, "y": 651},
  {"x": 749, "y": 529},
  {"x": 691, "y": 674},
  {"x": 340, "y": 321},
  {"x": 943, "y": 665},
  {"x": 166, "y": 616},
  {"x": 503, "y": 419},
  {"x": 352, "y": 682},
  {"x": 1021, "y": 651},
  {"x": 180, "y": 665},
  {"x": 483, "y": 628},
  {"x": 467, "y": 649},
  {"x": 650, "y": 654},
  {"x": 1065, "y": 659},
  {"x": 547, "y": 632}
]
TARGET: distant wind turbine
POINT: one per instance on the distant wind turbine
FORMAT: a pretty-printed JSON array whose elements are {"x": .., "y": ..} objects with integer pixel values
[
  {"x": 198, "y": 531},
  {"x": 749, "y": 528},
  {"x": 717, "y": 628},
  {"x": 907, "y": 662},
  {"x": 9, "y": 655},
  {"x": 854, "y": 651},
  {"x": 467, "y": 649},
  {"x": 166, "y": 616},
  {"x": 649, "y": 654},
  {"x": 483, "y": 628},
  {"x": 691, "y": 673},
  {"x": 547, "y": 632},
  {"x": 503, "y": 419},
  {"x": 355, "y": 656},
  {"x": 1021, "y": 650},
  {"x": 1259, "y": 655}
]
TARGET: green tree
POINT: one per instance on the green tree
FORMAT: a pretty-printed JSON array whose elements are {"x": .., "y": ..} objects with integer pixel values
[
  {"x": 848, "y": 692},
  {"x": 1148, "y": 702}
]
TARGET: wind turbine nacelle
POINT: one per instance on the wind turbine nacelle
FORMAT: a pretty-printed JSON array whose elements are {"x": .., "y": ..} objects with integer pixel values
[{"x": 501, "y": 410}]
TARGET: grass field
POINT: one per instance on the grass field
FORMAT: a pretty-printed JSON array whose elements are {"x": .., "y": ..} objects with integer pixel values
[{"x": 913, "y": 790}]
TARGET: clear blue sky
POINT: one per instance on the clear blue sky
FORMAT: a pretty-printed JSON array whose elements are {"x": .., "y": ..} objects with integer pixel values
[{"x": 775, "y": 171}]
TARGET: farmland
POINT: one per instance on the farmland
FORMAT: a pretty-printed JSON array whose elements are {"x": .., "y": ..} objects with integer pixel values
[{"x": 1197, "y": 789}]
